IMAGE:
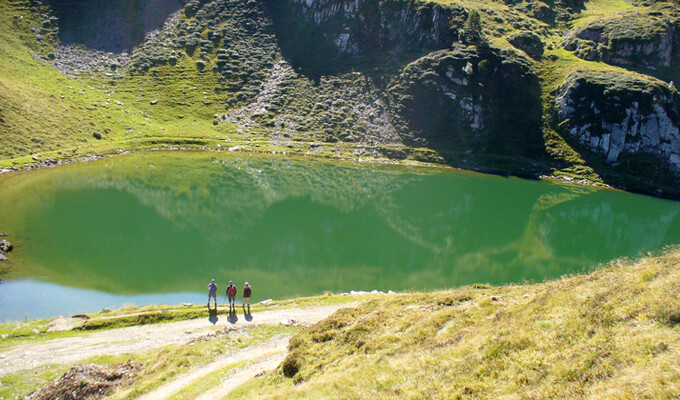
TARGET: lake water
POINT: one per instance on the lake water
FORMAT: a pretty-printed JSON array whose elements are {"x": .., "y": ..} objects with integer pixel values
[{"x": 155, "y": 227}]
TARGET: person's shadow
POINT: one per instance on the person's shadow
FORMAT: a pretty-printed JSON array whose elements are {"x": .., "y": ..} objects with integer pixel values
[
  {"x": 212, "y": 315},
  {"x": 247, "y": 315},
  {"x": 232, "y": 318}
]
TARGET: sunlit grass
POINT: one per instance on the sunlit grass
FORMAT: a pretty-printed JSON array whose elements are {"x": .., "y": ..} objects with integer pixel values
[
  {"x": 601, "y": 8},
  {"x": 609, "y": 334}
]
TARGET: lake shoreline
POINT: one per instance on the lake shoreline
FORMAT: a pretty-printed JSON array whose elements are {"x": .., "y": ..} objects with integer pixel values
[{"x": 49, "y": 162}]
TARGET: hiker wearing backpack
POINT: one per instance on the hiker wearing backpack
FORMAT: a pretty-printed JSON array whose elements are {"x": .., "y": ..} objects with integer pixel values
[
  {"x": 231, "y": 293},
  {"x": 246, "y": 295},
  {"x": 212, "y": 292}
]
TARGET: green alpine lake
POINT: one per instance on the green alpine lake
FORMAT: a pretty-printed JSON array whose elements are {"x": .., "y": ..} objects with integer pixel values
[{"x": 155, "y": 227}]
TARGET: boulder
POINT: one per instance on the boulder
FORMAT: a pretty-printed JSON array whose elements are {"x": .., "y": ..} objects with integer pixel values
[
  {"x": 528, "y": 42},
  {"x": 620, "y": 116},
  {"x": 6, "y": 246}
]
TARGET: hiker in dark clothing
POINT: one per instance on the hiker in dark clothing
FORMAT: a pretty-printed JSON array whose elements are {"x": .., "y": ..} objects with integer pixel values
[
  {"x": 231, "y": 293},
  {"x": 212, "y": 292},
  {"x": 246, "y": 295}
]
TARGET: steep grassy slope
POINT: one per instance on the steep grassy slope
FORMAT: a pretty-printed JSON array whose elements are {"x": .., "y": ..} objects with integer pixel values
[{"x": 611, "y": 334}]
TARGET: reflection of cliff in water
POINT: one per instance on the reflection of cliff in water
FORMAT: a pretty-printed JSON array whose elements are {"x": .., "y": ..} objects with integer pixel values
[
  {"x": 223, "y": 196},
  {"x": 167, "y": 218},
  {"x": 472, "y": 222}
]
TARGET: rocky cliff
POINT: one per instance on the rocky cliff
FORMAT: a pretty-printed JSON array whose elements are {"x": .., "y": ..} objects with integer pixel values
[{"x": 631, "y": 123}]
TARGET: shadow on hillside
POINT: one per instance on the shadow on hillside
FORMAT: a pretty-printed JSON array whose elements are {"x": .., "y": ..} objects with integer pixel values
[
  {"x": 640, "y": 173},
  {"x": 110, "y": 25},
  {"x": 315, "y": 50}
]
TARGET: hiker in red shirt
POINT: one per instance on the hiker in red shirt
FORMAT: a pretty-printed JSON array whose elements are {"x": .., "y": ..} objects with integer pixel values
[{"x": 231, "y": 293}]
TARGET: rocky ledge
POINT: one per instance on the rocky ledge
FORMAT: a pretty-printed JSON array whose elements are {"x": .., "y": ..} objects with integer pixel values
[
  {"x": 622, "y": 119},
  {"x": 643, "y": 40}
]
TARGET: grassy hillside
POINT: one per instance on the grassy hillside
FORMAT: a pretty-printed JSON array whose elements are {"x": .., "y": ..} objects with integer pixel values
[
  {"x": 227, "y": 57},
  {"x": 610, "y": 334}
]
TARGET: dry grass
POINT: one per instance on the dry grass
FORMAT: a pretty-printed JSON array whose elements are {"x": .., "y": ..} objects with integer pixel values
[{"x": 609, "y": 334}]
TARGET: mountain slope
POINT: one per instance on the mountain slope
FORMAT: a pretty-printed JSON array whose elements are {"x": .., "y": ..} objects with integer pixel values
[{"x": 474, "y": 84}]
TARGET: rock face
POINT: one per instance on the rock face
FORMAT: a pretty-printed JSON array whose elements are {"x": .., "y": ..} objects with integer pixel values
[
  {"x": 631, "y": 39},
  {"x": 480, "y": 100},
  {"x": 622, "y": 117},
  {"x": 362, "y": 31},
  {"x": 111, "y": 26}
]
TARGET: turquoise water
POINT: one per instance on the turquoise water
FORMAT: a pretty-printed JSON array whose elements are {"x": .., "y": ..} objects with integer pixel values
[{"x": 156, "y": 227}]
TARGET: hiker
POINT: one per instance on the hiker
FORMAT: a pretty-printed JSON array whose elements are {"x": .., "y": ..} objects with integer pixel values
[
  {"x": 246, "y": 295},
  {"x": 231, "y": 293},
  {"x": 212, "y": 292}
]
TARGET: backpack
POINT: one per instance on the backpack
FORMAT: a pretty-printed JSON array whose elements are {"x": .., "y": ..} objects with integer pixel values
[
  {"x": 213, "y": 288},
  {"x": 231, "y": 290}
]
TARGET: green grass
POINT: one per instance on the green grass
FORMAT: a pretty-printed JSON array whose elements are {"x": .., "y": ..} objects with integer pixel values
[
  {"x": 19, "y": 385},
  {"x": 609, "y": 334},
  {"x": 46, "y": 115},
  {"x": 602, "y": 8},
  {"x": 207, "y": 382},
  {"x": 160, "y": 364},
  {"x": 164, "y": 364}
]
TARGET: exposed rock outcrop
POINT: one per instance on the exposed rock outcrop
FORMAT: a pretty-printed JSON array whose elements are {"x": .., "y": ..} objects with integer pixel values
[
  {"x": 110, "y": 26},
  {"x": 361, "y": 32},
  {"x": 619, "y": 116},
  {"x": 629, "y": 39},
  {"x": 528, "y": 42},
  {"x": 476, "y": 100}
]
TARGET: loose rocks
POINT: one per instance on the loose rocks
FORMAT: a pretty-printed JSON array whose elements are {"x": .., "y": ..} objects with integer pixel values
[{"x": 89, "y": 381}]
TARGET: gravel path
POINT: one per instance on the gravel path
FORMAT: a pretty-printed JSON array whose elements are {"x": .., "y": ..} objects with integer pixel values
[{"x": 137, "y": 339}]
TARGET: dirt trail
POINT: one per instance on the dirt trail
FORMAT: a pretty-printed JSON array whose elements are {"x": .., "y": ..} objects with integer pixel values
[
  {"x": 267, "y": 356},
  {"x": 242, "y": 376},
  {"x": 138, "y": 339}
]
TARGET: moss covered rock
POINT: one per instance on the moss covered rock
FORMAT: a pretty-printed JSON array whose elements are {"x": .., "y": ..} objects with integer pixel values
[
  {"x": 528, "y": 42},
  {"x": 635, "y": 39}
]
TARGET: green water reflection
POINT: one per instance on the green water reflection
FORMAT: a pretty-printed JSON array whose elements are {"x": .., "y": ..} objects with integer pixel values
[{"x": 168, "y": 222}]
